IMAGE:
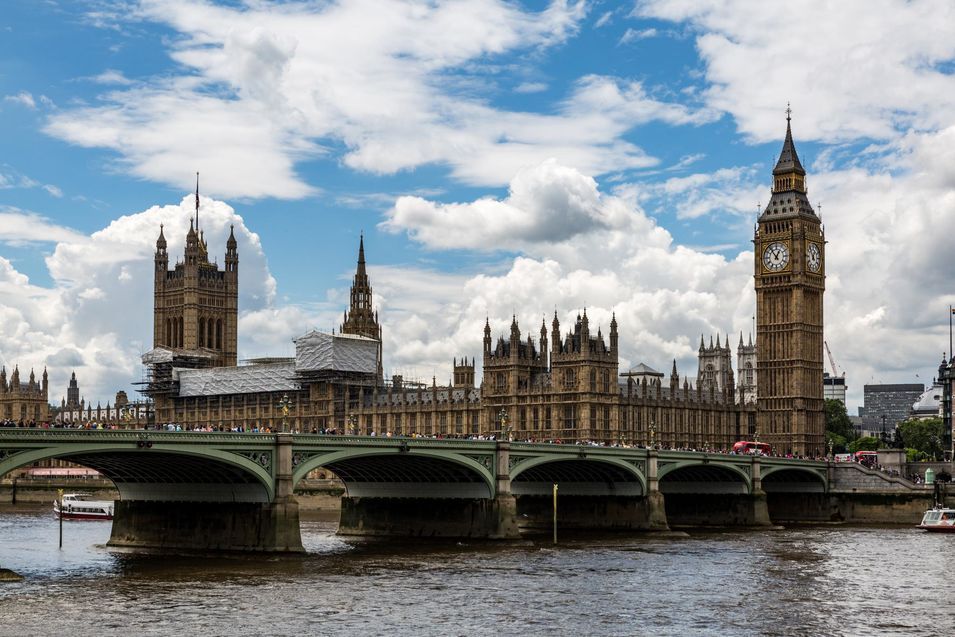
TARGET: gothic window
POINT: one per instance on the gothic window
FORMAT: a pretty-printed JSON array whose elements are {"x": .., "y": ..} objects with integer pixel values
[
  {"x": 547, "y": 418},
  {"x": 168, "y": 341},
  {"x": 606, "y": 381},
  {"x": 475, "y": 422},
  {"x": 202, "y": 332},
  {"x": 570, "y": 417},
  {"x": 501, "y": 382},
  {"x": 536, "y": 418},
  {"x": 606, "y": 417},
  {"x": 219, "y": 334},
  {"x": 459, "y": 423},
  {"x": 209, "y": 330},
  {"x": 180, "y": 339},
  {"x": 593, "y": 380},
  {"x": 570, "y": 379}
]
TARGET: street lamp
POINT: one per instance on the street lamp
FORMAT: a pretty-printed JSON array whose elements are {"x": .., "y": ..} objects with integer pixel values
[
  {"x": 652, "y": 431},
  {"x": 502, "y": 417},
  {"x": 830, "y": 449},
  {"x": 283, "y": 405},
  {"x": 352, "y": 424}
]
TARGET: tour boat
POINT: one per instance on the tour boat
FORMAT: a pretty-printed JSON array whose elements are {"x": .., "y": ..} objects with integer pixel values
[
  {"x": 78, "y": 506},
  {"x": 939, "y": 521}
]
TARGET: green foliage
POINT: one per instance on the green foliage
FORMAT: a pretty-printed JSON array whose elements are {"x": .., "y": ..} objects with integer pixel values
[
  {"x": 926, "y": 436},
  {"x": 838, "y": 442},
  {"x": 837, "y": 420},
  {"x": 867, "y": 443},
  {"x": 914, "y": 455}
]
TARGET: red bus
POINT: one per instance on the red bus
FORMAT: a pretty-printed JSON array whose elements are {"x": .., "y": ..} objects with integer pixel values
[
  {"x": 867, "y": 458},
  {"x": 752, "y": 448}
]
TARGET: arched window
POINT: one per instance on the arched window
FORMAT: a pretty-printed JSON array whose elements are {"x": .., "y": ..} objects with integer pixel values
[
  {"x": 180, "y": 339},
  {"x": 202, "y": 332},
  {"x": 219, "y": 334},
  {"x": 211, "y": 328},
  {"x": 168, "y": 341}
]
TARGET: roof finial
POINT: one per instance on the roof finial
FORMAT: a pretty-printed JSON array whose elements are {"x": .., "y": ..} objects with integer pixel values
[
  {"x": 197, "y": 201},
  {"x": 789, "y": 112}
]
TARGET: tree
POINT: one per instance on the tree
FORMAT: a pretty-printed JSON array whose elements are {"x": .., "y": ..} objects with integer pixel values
[
  {"x": 838, "y": 442},
  {"x": 925, "y": 435},
  {"x": 867, "y": 443},
  {"x": 837, "y": 420}
]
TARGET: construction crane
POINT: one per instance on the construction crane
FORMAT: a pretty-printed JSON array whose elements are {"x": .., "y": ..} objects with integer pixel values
[{"x": 832, "y": 361}]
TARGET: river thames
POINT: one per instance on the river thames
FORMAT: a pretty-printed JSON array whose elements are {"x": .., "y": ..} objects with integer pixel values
[{"x": 811, "y": 581}]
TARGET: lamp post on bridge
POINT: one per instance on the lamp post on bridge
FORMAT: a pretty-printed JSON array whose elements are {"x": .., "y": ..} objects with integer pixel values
[
  {"x": 283, "y": 405},
  {"x": 502, "y": 417},
  {"x": 652, "y": 430}
]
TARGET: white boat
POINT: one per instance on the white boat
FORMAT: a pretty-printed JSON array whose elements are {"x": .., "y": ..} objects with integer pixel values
[
  {"x": 938, "y": 521},
  {"x": 79, "y": 506}
]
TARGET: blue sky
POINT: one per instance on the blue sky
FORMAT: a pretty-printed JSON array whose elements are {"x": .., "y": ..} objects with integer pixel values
[{"x": 502, "y": 158}]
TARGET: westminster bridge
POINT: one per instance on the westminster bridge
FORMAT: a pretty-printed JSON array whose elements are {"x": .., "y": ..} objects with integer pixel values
[{"x": 235, "y": 491}]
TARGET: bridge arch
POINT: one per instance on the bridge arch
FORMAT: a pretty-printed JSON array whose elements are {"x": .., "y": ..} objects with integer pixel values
[
  {"x": 704, "y": 477},
  {"x": 577, "y": 476},
  {"x": 787, "y": 479},
  {"x": 404, "y": 473},
  {"x": 181, "y": 473}
]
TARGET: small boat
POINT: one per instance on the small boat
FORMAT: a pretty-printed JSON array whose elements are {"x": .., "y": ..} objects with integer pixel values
[
  {"x": 79, "y": 506},
  {"x": 938, "y": 521}
]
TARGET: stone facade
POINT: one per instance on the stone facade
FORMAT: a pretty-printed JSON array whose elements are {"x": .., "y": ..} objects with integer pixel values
[
  {"x": 25, "y": 403},
  {"x": 790, "y": 282},
  {"x": 561, "y": 386},
  {"x": 195, "y": 305}
]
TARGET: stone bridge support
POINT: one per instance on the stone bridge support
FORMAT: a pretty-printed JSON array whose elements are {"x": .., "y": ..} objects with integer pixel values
[
  {"x": 494, "y": 517},
  {"x": 218, "y": 526}
]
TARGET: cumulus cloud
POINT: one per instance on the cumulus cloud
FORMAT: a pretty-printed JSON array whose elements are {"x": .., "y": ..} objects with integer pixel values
[
  {"x": 23, "y": 98},
  {"x": 850, "y": 71},
  {"x": 266, "y": 86}
]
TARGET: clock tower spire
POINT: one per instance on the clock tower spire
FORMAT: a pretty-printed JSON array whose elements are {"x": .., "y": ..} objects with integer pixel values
[{"x": 790, "y": 282}]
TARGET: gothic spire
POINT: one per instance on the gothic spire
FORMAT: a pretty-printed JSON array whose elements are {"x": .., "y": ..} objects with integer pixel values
[
  {"x": 361, "y": 255},
  {"x": 788, "y": 159}
]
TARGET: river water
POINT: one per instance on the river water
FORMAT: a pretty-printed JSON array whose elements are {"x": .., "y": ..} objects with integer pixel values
[{"x": 812, "y": 581}]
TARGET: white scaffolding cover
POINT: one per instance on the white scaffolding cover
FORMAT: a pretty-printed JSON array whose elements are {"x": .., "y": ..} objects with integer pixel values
[
  {"x": 247, "y": 379},
  {"x": 317, "y": 351}
]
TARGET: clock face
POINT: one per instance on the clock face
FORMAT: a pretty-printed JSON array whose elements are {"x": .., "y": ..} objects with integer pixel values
[
  {"x": 776, "y": 256},
  {"x": 813, "y": 257}
]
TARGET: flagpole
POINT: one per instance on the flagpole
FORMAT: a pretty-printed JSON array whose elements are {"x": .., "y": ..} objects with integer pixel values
[{"x": 950, "y": 312}]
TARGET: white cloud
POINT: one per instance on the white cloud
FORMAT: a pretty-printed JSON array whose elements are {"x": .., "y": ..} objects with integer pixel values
[
  {"x": 634, "y": 35},
  {"x": 111, "y": 76},
  {"x": 268, "y": 85},
  {"x": 54, "y": 191},
  {"x": 850, "y": 70},
  {"x": 19, "y": 227},
  {"x": 530, "y": 87},
  {"x": 24, "y": 98}
]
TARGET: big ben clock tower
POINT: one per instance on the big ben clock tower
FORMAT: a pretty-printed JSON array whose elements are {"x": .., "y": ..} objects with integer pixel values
[{"x": 790, "y": 281}]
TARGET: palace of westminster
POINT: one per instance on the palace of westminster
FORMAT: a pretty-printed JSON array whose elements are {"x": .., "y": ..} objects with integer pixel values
[{"x": 565, "y": 385}]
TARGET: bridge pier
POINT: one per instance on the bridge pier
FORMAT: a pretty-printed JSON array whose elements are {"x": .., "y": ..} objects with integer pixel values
[
  {"x": 271, "y": 527},
  {"x": 207, "y": 526}
]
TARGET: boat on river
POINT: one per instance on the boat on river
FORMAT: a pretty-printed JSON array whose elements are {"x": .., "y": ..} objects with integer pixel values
[
  {"x": 938, "y": 521},
  {"x": 79, "y": 506}
]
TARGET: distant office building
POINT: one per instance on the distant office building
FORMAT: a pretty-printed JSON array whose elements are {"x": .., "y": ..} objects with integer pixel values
[
  {"x": 888, "y": 404},
  {"x": 834, "y": 387}
]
